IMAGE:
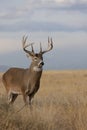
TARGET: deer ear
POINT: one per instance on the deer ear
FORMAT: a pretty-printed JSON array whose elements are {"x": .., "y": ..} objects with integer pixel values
[{"x": 28, "y": 55}]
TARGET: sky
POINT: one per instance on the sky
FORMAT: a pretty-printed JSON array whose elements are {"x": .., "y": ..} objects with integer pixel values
[{"x": 63, "y": 20}]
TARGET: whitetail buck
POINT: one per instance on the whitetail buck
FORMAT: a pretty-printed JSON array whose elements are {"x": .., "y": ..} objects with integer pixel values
[{"x": 26, "y": 81}]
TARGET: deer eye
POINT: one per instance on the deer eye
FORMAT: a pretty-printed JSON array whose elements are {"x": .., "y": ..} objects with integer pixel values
[{"x": 35, "y": 58}]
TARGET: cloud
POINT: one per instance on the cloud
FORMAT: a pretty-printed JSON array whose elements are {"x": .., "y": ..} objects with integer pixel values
[
  {"x": 8, "y": 45},
  {"x": 48, "y": 15},
  {"x": 42, "y": 16},
  {"x": 20, "y": 9},
  {"x": 70, "y": 1}
]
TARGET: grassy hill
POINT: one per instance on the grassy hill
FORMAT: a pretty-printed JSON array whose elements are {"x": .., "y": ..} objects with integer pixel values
[{"x": 60, "y": 104}]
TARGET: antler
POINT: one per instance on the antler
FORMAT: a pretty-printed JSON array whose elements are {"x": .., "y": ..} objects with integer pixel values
[
  {"x": 24, "y": 39},
  {"x": 50, "y": 46}
]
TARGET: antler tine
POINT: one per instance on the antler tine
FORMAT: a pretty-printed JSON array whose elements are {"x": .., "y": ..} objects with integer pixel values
[
  {"x": 32, "y": 47},
  {"x": 51, "y": 42},
  {"x": 50, "y": 45},
  {"x": 24, "y": 41},
  {"x": 48, "y": 40},
  {"x": 25, "y": 46},
  {"x": 40, "y": 48}
]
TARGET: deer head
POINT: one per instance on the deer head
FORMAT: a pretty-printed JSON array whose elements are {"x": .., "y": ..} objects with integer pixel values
[{"x": 37, "y": 58}]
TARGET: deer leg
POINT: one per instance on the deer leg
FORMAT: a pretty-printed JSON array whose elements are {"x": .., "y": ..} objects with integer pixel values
[
  {"x": 25, "y": 99},
  {"x": 10, "y": 97},
  {"x": 31, "y": 95},
  {"x": 30, "y": 104},
  {"x": 14, "y": 96},
  {"x": 30, "y": 98}
]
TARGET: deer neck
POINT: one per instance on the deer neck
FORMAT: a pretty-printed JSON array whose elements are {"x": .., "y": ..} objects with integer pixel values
[
  {"x": 34, "y": 73},
  {"x": 35, "y": 68}
]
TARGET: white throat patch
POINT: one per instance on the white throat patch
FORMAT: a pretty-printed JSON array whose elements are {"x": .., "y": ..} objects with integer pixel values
[{"x": 37, "y": 69}]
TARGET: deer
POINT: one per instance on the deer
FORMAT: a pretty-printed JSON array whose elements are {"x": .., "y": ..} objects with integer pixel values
[{"x": 26, "y": 82}]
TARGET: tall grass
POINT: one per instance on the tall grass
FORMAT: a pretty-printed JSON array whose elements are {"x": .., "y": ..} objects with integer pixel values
[{"x": 60, "y": 104}]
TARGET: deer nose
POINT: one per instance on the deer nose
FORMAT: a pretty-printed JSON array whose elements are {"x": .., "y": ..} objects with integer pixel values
[{"x": 42, "y": 63}]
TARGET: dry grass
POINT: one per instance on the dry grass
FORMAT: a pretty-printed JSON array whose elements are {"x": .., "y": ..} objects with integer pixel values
[{"x": 60, "y": 104}]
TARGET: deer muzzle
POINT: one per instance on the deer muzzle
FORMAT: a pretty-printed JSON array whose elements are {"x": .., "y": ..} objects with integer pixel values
[{"x": 41, "y": 63}]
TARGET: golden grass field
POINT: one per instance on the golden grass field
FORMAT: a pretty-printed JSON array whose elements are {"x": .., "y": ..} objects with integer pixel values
[{"x": 60, "y": 104}]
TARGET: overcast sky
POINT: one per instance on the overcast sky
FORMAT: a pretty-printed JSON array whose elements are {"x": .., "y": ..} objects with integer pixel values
[{"x": 63, "y": 20}]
